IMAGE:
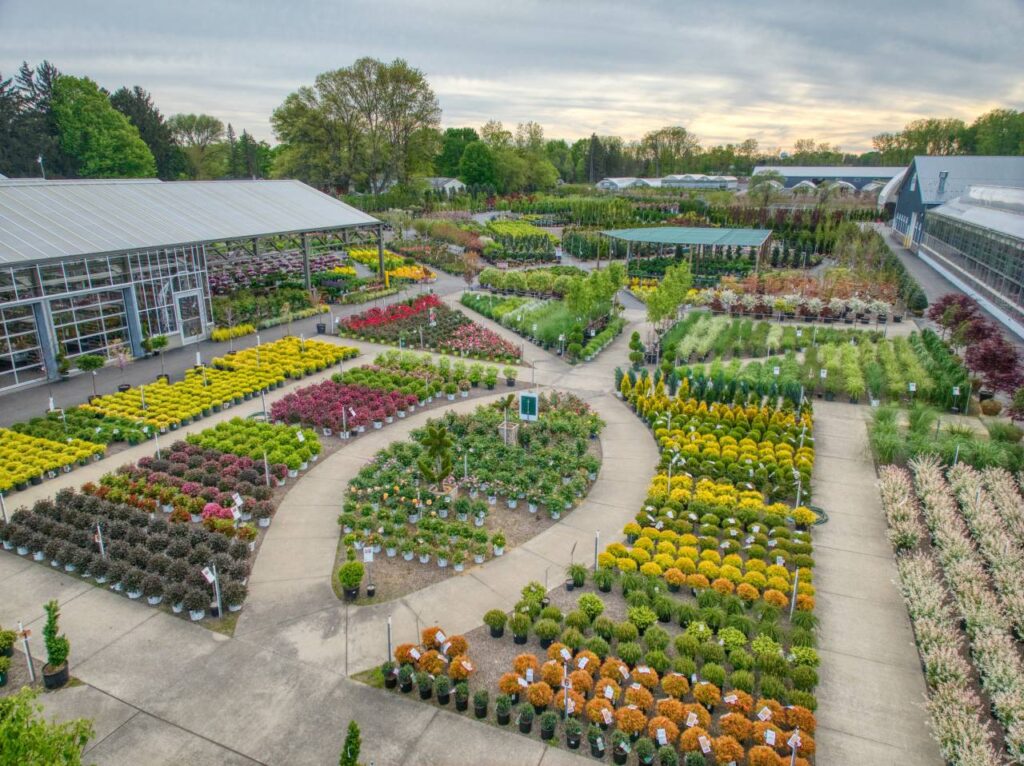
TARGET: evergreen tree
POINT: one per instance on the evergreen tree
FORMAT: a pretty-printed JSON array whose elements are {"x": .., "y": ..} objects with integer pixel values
[
  {"x": 350, "y": 750},
  {"x": 137, "y": 105}
]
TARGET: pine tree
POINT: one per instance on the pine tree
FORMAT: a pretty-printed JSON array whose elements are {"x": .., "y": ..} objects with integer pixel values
[{"x": 350, "y": 750}]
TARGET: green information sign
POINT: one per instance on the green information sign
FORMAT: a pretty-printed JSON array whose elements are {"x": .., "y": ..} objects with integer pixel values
[{"x": 528, "y": 406}]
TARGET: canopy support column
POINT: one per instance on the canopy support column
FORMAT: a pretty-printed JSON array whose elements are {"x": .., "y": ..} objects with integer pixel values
[{"x": 307, "y": 277}]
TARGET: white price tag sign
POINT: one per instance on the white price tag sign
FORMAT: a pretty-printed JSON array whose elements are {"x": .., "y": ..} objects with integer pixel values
[
  {"x": 439, "y": 637},
  {"x": 912, "y": 387},
  {"x": 824, "y": 373},
  {"x": 582, "y": 663},
  {"x": 730, "y": 699},
  {"x": 794, "y": 741},
  {"x": 415, "y": 653},
  {"x": 529, "y": 675},
  {"x": 566, "y": 654},
  {"x": 764, "y": 713},
  {"x": 522, "y": 682},
  {"x": 609, "y": 693},
  {"x": 691, "y": 720},
  {"x": 367, "y": 554},
  {"x": 606, "y": 714},
  {"x": 705, "y": 746},
  {"x": 776, "y": 371},
  {"x": 300, "y": 436},
  {"x": 660, "y": 736},
  {"x": 208, "y": 575},
  {"x": 237, "y": 498},
  {"x": 956, "y": 390},
  {"x": 769, "y": 736},
  {"x": 235, "y": 513}
]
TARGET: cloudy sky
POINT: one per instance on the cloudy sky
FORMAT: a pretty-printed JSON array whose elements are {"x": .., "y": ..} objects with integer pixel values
[{"x": 727, "y": 70}]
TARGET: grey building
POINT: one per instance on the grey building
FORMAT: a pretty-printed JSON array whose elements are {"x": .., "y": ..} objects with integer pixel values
[
  {"x": 932, "y": 181},
  {"x": 90, "y": 266}
]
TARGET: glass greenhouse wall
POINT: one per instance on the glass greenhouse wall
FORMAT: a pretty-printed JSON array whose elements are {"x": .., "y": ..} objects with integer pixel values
[
  {"x": 992, "y": 260},
  {"x": 98, "y": 305}
]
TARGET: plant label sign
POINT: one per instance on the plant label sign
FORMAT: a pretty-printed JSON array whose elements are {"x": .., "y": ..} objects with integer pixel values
[
  {"x": 691, "y": 720},
  {"x": 764, "y": 713},
  {"x": 445, "y": 647},
  {"x": 467, "y": 666},
  {"x": 236, "y": 514},
  {"x": 566, "y": 654},
  {"x": 529, "y": 675},
  {"x": 779, "y": 561},
  {"x": 237, "y": 498},
  {"x": 522, "y": 682},
  {"x": 415, "y": 653},
  {"x": 609, "y": 693},
  {"x": 208, "y": 575},
  {"x": 528, "y": 406},
  {"x": 705, "y": 746},
  {"x": 769, "y": 737},
  {"x": 824, "y": 373},
  {"x": 367, "y": 554},
  {"x": 776, "y": 371},
  {"x": 912, "y": 387},
  {"x": 660, "y": 736},
  {"x": 440, "y": 637},
  {"x": 300, "y": 436},
  {"x": 623, "y": 671},
  {"x": 956, "y": 390},
  {"x": 730, "y": 699},
  {"x": 794, "y": 741},
  {"x": 570, "y": 705},
  {"x": 606, "y": 714},
  {"x": 582, "y": 663}
]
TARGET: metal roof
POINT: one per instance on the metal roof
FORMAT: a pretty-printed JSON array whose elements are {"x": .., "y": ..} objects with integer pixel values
[
  {"x": 830, "y": 171},
  {"x": 997, "y": 210},
  {"x": 42, "y": 220},
  {"x": 693, "y": 235},
  {"x": 962, "y": 172}
]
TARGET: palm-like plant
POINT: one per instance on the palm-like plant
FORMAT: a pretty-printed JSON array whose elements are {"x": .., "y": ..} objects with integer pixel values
[{"x": 436, "y": 464}]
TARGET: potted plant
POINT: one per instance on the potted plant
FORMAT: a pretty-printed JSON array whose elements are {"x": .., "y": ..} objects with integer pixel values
[
  {"x": 153, "y": 589},
  {"x": 443, "y": 689},
  {"x": 524, "y": 715},
  {"x": 5, "y": 667},
  {"x": 546, "y": 630},
  {"x": 576, "y": 576},
  {"x": 196, "y": 601},
  {"x": 388, "y": 671},
  {"x": 573, "y": 733},
  {"x": 7, "y": 639},
  {"x": 175, "y": 595},
  {"x": 480, "y": 702},
  {"x": 351, "y": 576},
  {"x": 498, "y": 543},
  {"x": 461, "y": 696},
  {"x": 519, "y": 624},
  {"x": 55, "y": 671},
  {"x": 495, "y": 619},
  {"x": 667, "y": 756},
  {"x": 425, "y": 684},
  {"x": 405, "y": 678},
  {"x": 503, "y": 709},
  {"x": 620, "y": 747},
  {"x": 548, "y": 721},
  {"x": 645, "y": 750},
  {"x": 596, "y": 739},
  {"x": 510, "y": 376},
  {"x": 132, "y": 582},
  {"x": 234, "y": 595},
  {"x": 604, "y": 578}
]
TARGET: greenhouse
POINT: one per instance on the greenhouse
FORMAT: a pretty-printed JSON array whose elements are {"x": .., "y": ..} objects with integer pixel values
[
  {"x": 977, "y": 241},
  {"x": 96, "y": 267},
  {"x": 696, "y": 242}
]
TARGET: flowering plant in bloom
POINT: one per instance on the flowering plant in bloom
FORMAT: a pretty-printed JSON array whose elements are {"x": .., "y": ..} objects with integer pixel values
[{"x": 474, "y": 339}]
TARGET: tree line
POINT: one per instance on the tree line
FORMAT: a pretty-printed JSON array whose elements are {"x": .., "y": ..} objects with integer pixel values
[
  {"x": 60, "y": 126},
  {"x": 375, "y": 127}
]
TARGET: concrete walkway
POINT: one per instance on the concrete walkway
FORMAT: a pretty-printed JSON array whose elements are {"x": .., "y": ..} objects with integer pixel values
[{"x": 870, "y": 700}]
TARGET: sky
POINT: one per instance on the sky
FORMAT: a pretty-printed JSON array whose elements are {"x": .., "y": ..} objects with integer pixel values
[{"x": 774, "y": 70}]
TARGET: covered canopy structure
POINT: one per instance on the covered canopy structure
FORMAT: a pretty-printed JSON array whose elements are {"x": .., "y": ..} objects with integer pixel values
[
  {"x": 697, "y": 240},
  {"x": 94, "y": 266}
]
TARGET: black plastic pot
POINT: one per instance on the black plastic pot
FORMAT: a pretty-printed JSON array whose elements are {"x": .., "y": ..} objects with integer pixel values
[
  {"x": 390, "y": 681},
  {"x": 406, "y": 687},
  {"x": 605, "y": 588},
  {"x": 504, "y": 718},
  {"x": 321, "y": 328},
  {"x": 546, "y": 642},
  {"x": 547, "y": 733},
  {"x": 597, "y": 752},
  {"x": 351, "y": 594},
  {"x": 545, "y": 602},
  {"x": 497, "y": 632},
  {"x": 526, "y": 726},
  {"x": 480, "y": 712},
  {"x": 572, "y": 741},
  {"x": 462, "y": 705},
  {"x": 619, "y": 756},
  {"x": 570, "y": 585},
  {"x": 123, "y": 387},
  {"x": 444, "y": 699},
  {"x": 54, "y": 679},
  {"x": 426, "y": 693},
  {"x": 371, "y": 591},
  {"x": 519, "y": 639}
]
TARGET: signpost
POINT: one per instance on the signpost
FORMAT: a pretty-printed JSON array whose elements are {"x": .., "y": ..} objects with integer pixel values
[
  {"x": 23, "y": 634},
  {"x": 528, "y": 406}
]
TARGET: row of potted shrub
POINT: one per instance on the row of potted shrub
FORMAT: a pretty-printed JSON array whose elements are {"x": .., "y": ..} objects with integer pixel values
[{"x": 26, "y": 459}]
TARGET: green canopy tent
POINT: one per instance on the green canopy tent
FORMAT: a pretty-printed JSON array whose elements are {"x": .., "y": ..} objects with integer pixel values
[{"x": 697, "y": 239}]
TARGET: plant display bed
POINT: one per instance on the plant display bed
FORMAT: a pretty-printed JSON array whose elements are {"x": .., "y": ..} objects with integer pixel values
[
  {"x": 700, "y": 334},
  {"x": 957, "y": 538},
  {"x": 495, "y": 496},
  {"x": 374, "y": 395},
  {"x": 232, "y": 379},
  {"x": 427, "y": 322},
  {"x": 915, "y": 368},
  {"x": 753, "y": 448},
  {"x": 78, "y": 423},
  {"x": 26, "y": 459},
  {"x": 680, "y": 648},
  {"x": 543, "y": 282},
  {"x": 435, "y": 254}
]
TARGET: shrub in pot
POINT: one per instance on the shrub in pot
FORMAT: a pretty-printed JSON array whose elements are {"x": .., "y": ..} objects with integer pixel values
[
  {"x": 595, "y": 737},
  {"x": 425, "y": 684},
  {"x": 234, "y": 595},
  {"x": 667, "y": 756},
  {"x": 495, "y": 619},
  {"x": 573, "y": 733},
  {"x": 443, "y": 689},
  {"x": 546, "y": 630},
  {"x": 620, "y": 747},
  {"x": 153, "y": 589},
  {"x": 405, "y": 678},
  {"x": 645, "y": 750},
  {"x": 524, "y": 716},
  {"x": 196, "y": 601},
  {"x": 548, "y": 721},
  {"x": 351, "y": 575},
  {"x": 388, "y": 671},
  {"x": 480, "y": 702},
  {"x": 55, "y": 671},
  {"x": 503, "y": 708},
  {"x": 577, "y": 575},
  {"x": 604, "y": 579},
  {"x": 7, "y": 639},
  {"x": 175, "y": 595},
  {"x": 461, "y": 696},
  {"x": 519, "y": 624}
]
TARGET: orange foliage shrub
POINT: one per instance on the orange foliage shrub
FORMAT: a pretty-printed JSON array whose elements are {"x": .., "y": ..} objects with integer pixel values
[
  {"x": 672, "y": 709},
  {"x": 551, "y": 673},
  {"x": 798, "y": 717},
  {"x": 524, "y": 661},
  {"x": 688, "y": 740},
  {"x": 402, "y": 656},
  {"x": 539, "y": 694},
  {"x": 610, "y": 669},
  {"x": 431, "y": 662},
  {"x": 763, "y": 755},
  {"x": 737, "y": 726},
  {"x": 594, "y": 708},
  {"x": 578, "y": 701},
  {"x": 707, "y": 694},
  {"x": 457, "y": 645},
  {"x": 727, "y": 749},
  {"x": 703, "y": 716},
  {"x": 582, "y": 681},
  {"x": 676, "y": 685},
  {"x": 647, "y": 678},
  {"x": 509, "y": 683},
  {"x": 630, "y": 720},
  {"x": 639, "y": 696},
  {"x": 661, "y": 722},
  {"x": 457, "y": 668},
  {"x": 607, "y": 683},
  {"x": 592, "y": 665},
  {"x": 428, "y": 636},
  {"x": 555, "y": 651}
]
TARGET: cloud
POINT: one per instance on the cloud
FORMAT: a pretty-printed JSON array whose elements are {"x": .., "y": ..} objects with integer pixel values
[{"x": 777, "y": 71}]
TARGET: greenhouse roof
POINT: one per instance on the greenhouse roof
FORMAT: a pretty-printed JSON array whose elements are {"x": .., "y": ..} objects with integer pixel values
[
  {"x": 42, "y": 220},
  {"x": 692, "y": 235}
]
